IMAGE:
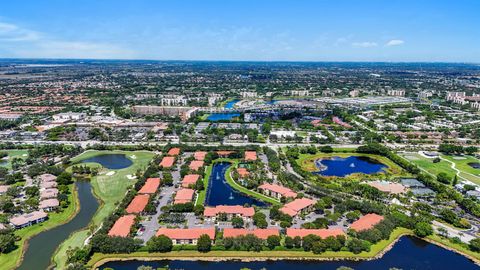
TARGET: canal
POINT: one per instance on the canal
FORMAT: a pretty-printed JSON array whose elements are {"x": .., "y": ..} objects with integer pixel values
[
  {"x": 42, "y": 246},
  {"x": 408, "y": 253},
  {"x": 221, "y": 193}
]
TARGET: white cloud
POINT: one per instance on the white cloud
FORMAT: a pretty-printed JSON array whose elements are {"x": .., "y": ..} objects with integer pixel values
[
  {"x": 365, "y": 44},
  {"x": 394, "y": 42},
  {"x": 22, "y": 42}
]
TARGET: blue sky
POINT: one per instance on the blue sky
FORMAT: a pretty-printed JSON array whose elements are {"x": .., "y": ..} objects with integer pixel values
[{"x": 291, "y": 30}]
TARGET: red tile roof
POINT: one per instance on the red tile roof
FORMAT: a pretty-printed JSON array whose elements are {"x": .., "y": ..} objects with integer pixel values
[
  {"x": 137, "y": 205},
  {"x": 151, "y": 186},
  {"x": 250, "y": 155},
  {"x": 285, "y": 192},
  {"x": 394, "y": 188},
  {"x": 167, "y": 162},
  {"x": 243, "y": 172},
  {"x": 229, "y": 209},
  {"x": 196, "y": 165},
  {"x": 184, "y": 195},
  {"x": 180, "y": 234},
  {"x": 260, "y": 233},
  {"x": 366, "y": 222},
  {"x": 224, "y": 153},
  {"x": 190, "y": 179},
  {"x": 174, "y": 151},
  {"x": 122, "y": 226},
  {"x": 294, "y": 207},
  {"x": 200, "y": 155},
  {"x": 323, "y": 233}
]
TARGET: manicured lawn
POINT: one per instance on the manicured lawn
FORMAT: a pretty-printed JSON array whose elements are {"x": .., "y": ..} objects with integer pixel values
[
  {"x": 466, "y": 171},
  {"x": 14, "y": 153},
  {"x": 428, "y": 165},
  {"x": 461, "y": 248},
  {"x": 307, "y": 161},
  {"x": 202, "y": 194},
  {"x": 98, "y": 259},
  {"x": 12, "y": 259},
  {"x": 109, "y": 189}
]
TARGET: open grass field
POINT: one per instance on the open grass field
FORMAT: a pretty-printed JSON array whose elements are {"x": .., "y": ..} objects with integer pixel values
[
  {"x": 465, "y": 171},
  {"x": 12, "y": 259},
  {"x": 14, "y": 153},
  {"x": 428, "y": 165},
  {"x": 99, "y": 259},
  {"x": 109, "y": 189},
  {"x": 307, "y": 162}
]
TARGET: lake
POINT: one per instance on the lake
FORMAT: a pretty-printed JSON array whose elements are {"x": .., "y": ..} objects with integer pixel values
[
  {"x": 408, "y": 253},
  {"x": 221, "y": 193},
  {"x": 338, "y": 166},
  {"x": 230, "y": 104},
  {"x": 222, "y": 116},
  {"x": 42, "y": 246},
  {"x": 110, "y": 161}
]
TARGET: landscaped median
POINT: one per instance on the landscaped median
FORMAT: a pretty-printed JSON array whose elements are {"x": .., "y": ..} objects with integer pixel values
[
  {"x": 376, "y": 251},
  {"x": 13, "y": 259}
]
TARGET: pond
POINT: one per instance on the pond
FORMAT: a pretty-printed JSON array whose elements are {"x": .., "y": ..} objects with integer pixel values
[
  {"x": 42, "y": 246},
  {"x": 338, "y": 166},
  {"x": 408, "y": 253},
  {"x": 110, "y": 161},
  {"x": 230, "y": 104},
  {"x": 222, "y": 116},
  {"x": 475, "y": 165},
  {"x": 221, "y": 193}
]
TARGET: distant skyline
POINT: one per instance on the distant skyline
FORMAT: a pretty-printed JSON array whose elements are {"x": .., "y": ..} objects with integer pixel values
[{"x": 246, "y": 30}]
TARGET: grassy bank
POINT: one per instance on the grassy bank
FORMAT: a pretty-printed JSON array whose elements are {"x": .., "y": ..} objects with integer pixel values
[
  {"x": 376, "y": 251},
  {"x": 13, "y": 259},
  {"x": 109, "y": 189}
]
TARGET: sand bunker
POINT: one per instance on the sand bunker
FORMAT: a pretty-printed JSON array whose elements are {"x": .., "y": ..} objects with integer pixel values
[
  {"x": 133, "y": 157},
  {"x": 110, "y": 173},
  {"x": 131, "y": 177}
]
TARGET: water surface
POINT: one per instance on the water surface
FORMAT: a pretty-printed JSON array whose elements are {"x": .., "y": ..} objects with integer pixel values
[
  {"x": 230, "y": 104},
  {"x": 222, "y": 116},
  {"x": 42, "y": 246},
  {"x": 408, "y": 253},
  {"x": 337, "y": 166},
  {"x": 221, "y": 193},
  {"x": 111, "y": 161}
]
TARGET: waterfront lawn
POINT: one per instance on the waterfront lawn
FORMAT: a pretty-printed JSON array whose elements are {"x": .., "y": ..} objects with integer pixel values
[
  {"x": 307, "y": 162},
  {"x": 14, "y": 153},
  {"x": 12, "y": 259},
  {"x": 460, "y": 248},
  {"x": 99, "y": 259},
  {"x": 203, "y": 193},
  {"x": 109, "y": 189}
]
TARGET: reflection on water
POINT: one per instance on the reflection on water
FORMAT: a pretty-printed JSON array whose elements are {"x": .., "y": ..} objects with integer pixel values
[
  {"x": 337, "y": 166},
  {"x": 111, "y": 161},
  {"x": 221, "y": 193}
]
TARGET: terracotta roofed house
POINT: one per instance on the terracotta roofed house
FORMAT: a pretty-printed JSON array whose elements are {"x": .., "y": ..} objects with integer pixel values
[
  {"x": 186, "y": 236},
  {"x": 48, "y": 193},
  {"x": 323, "y": 233},
  {"x": 3, "y": 189},
  {"x": 196, "y": 165},
  {"x": 260, "y": 233},
  {"x": 242, "y": 172},
  {"x": 150, "y": 186},
  {"x": 384, "y": 186},
  {"x": 184, "y": 195},
  {"x": 366, "y": 222},
  {"x": 277, "y": 191},
  {"x": 297, "y": 206},
  {"x": 167, "y": 162},
  {"x": 224, "y": 153},
  {"x": 122, "y": 226},
  {"x": 46, "y": 185},
  {"x": 246, "y": 213},
  {"x": 174, "y": 151},
  {"x": 189, "y": 180},
  {"x": 200, "y": 155},
  {"x": 250, "y": 155},
  {"x": 137, "y": 205}
]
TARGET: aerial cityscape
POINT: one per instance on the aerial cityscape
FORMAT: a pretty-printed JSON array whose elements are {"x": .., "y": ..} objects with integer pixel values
[{"x": 188, "y": 145}]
